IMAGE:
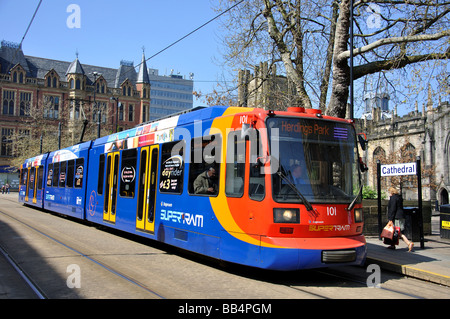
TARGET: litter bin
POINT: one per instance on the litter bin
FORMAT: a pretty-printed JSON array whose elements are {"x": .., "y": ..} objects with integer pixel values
[
  {"x": 445, "y": 221},
  {"x": 412, "y": 226}
]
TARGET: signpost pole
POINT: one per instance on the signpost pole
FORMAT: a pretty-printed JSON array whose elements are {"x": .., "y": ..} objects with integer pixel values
[
  {"x": 380, "y": 227},
  {"x": 419, "y": 192}
]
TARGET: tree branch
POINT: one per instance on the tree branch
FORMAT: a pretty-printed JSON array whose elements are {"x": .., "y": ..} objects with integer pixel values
[
  {"x": 377, "y": 66},
  {"x": 394, "y": 40}
]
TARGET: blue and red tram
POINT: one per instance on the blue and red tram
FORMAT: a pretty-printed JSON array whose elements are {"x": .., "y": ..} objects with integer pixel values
[{"x": 268, "y": 189}]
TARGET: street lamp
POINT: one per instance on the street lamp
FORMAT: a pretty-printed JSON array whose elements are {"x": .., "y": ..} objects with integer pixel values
[
  {"x": 117, "y": 110},
  {"x": 99, "y": 112},
  {"x": 351, "y": 60}
]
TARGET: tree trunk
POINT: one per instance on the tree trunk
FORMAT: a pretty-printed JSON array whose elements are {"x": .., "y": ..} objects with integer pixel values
[{"x": 341, "y": 71}]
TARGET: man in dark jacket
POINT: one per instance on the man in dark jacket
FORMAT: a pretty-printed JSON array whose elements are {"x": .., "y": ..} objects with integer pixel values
[
  {"x": 205, "y": 183},
  {"x": 396, "y": 216}
]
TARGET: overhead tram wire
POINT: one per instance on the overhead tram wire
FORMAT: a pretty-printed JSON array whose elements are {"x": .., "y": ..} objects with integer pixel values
[
  {"x": 25, "y": 34},
  {"x": 195, "y": 30}
]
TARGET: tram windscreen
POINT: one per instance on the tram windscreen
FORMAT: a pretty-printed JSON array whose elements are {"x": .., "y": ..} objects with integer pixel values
[{"x": 317, "y": 157}]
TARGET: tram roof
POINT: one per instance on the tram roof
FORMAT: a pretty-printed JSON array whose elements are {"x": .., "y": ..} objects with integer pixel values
[{"x": 171, "y": 121}]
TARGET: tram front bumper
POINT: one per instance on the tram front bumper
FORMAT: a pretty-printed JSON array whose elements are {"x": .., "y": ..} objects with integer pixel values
[{"x": 305, "y": 253}]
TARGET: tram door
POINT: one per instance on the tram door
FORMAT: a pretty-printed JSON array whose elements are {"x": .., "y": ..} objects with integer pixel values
[
  {"x": 145, "y": 217},
  {"x": 112, "y": 172},
  {"x": 31, "y": 183}
]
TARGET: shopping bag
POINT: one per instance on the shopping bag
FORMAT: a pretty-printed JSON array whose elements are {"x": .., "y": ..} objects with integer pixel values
[
  {"x": 388, "y": 232},
  {"x": 395, "y": 236}
]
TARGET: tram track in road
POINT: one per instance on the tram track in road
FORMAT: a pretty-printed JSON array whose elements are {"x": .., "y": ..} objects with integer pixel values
[
  {"x": 336, "y": 273},
  {"x": 33, "y": 283},
  {"x": 25, "y": 277},
  {"x": 112, "y": 262}
]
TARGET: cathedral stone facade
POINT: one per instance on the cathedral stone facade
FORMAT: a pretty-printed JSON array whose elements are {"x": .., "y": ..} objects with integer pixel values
[{"x": 403, "y": 139}]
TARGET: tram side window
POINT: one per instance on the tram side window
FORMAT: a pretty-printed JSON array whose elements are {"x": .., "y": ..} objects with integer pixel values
[
  {"x": 101, "y": 174},
  {"x": 79, "y": 172},
  {"x": 172, "y": 167},
  {"x": 55, "y": 174},
  {"x": 70, "y": 173},
  {"x": 49, "y": 175},
  {"x": 204, "y": 169},
  {"x": 235, "y": 167},
  {"x": 128, "y": 173},
  {"x": 40, "y": 177},
  {"x": 32, "y": 176},
  {"x": 62, "y": 174},
  {"x": 24, "y": 176},
  {"x": 256, "y": 188}
]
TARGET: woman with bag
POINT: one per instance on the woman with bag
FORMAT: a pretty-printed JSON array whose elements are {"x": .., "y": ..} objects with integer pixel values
[{"x": 396, "y": 217}]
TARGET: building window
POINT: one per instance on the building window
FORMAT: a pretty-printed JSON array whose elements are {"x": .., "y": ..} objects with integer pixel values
[
  {"x": 8, "y": 102},
  {"x": 74, "y": 113},
  {"x": 18, "y": 75},
  {"x": 6, "y": 142},
  {"x": 99, "y": 107},
  {"x": 101, "y": 86},
  {"x": 51, "y": 107},
  {"x": 25, "y": 103},
  {"x": 144, "y": 113},
  {"x": 130, "y": 113},
  {"x": 77, "y": 84},
  {"x": 120, "y": 111}
]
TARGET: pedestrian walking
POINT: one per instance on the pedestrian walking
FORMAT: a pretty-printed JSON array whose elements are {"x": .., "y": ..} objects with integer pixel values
[{"x": 396, "y": 216}]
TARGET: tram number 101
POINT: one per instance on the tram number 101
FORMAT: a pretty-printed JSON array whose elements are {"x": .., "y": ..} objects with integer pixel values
[{"x": 331, "y": 211}]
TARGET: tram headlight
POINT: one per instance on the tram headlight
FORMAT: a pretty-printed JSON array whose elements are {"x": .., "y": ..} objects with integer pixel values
[
  {"x": 286, "y": 215},
  {"x": 358, "y": 212}
]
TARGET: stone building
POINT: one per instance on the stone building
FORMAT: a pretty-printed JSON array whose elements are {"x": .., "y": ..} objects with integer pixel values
[
  {"x": 425, "y": 134},
  {"x": 35, "y": 90},
  {"x": 265, "y": 88}
]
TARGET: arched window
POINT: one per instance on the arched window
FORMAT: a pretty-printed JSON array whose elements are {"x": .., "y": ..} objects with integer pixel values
[
  {"x": 71, "y": 84},
  {"x": 379, "y": 154},
  {"x": 78, "y": 84},
  {"x": 408, "y": 153}
]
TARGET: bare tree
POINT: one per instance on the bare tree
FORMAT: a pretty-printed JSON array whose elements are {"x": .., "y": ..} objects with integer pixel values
[
  {"x": 42, "y": 120},
  {"x": 310, "y": 39}
]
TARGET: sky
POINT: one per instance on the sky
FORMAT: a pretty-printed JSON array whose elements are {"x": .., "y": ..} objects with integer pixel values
[{"x": 104, "y": 32}]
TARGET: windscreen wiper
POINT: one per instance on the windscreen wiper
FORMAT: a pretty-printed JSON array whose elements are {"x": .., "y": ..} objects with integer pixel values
[
  {"x": 295, "y": 189},
  {"x": 350, "y": 206}
]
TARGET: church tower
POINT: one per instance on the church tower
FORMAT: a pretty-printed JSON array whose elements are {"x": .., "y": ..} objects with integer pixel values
[{"x": 143, "y": 87}]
